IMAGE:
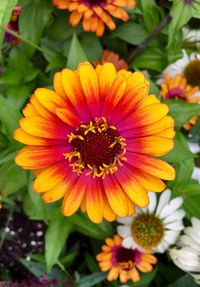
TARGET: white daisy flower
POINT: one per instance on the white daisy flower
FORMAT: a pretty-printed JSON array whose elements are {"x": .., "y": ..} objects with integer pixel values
[
  {"x": 195, "y": 148},
  {"x": 155, "y": 227},
  {"x": 187, "y": 257}
]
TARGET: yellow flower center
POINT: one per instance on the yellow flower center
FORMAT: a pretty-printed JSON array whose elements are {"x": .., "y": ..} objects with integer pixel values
[
  {"x": 192, "y": 72},
  {"x": 147, "y": 231},
  {"x": 96, "y": 146}
]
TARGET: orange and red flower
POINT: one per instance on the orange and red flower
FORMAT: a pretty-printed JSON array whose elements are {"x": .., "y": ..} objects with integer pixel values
[
  {"x": 123, "y": 262},
  {"x": 94, "y": 140},
  {"x": 111, "y": 57},
  {"x": 178, "y": 88},
  {"x": 95, "y": 14}
]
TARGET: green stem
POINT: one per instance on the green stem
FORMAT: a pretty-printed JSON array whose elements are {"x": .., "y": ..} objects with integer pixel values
[
  {"x": 65, "y": 271},
  {"x": 16, "y": 35}
]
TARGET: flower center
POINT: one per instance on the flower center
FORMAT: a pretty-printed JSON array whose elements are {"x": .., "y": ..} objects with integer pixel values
[
  {"x": 192, "y": 72},
  {"x": 147, "y": 231},
  {"x": 93, "y": 2},
  {"x": 127, "y": 258},
  {"x": 97, "y": 147},
  {"x": 176, "y": 93},
  {"x": 194, "y": 23}
]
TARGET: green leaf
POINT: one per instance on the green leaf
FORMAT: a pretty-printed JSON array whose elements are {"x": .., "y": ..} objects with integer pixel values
[
  {"x": 195, "y": 132},
  {"x": 184, "y": 171},
  {"x": 69, "y": 257},
  {"x": 185, "y": 281},
  {"x": 131, "y": 33},
  {"x": 154, "y": 89},
  {"x": 180, "y": 151},
  {"x": 10, "y": 171},
  {"x": 91, "y": 263},
  {"x": 181, "y": 13},
  {"x": 76, "y": 53},
  {"x": 56, "y": 235},
  {"x": 91, "y": 46},
  {"x": 9, "y": 116},
  {"x": 152, "y": 13},
  {"x": 189, "y": 188},
  {"x": 33, "y": 19},
  {"x": 6, "y": 8},
  {"x": 91, "y": 280},
  {"x": 182, "y": 111},
  {"x": 34, "y": 207},
  {"x": 87, "y": 227},
  {"x": 152, "y": 58},
  {"x": 191, "y": 206}
]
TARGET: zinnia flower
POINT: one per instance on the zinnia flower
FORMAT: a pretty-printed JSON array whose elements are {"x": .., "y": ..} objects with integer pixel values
[
  {"x": 13, "y": 26},
  {"x": 124, "y": 263},
  {"x": 177, "y": 88},
  {"x": 93, "y": 140},
  {"x": 153, "y": 228},
  {"x": 188, "y": 66},
  {"x": 95, "y": 15},
  {"x": 195, "y": 148},
  {"x": 114, "y": 58},
  {"x": 187, "y": 255}
]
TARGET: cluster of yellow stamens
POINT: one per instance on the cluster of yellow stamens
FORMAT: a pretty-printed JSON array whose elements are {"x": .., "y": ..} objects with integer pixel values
[{"x": 97, "y": 147}]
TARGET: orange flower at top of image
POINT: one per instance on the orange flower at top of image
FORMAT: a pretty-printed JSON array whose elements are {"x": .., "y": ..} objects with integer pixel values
[
  {"x": 178, "y": 88},
  {"x": 95, "y": 14},
  {"x": 125, "y": 263},
  {"x": 114, "y": 58},
  {"x": 94, "y": 141}
]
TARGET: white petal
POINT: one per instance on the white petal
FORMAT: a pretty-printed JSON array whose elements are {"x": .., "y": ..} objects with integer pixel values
[
  {"x": 128, "y": 242},
  {"x": 162, "y": 247},
  {"x": 171, "y": 236},
  {"x": 196, "y": 223},
  {"x": 124, "y": 230},
  {"x": 177, "y": 225},
  {"x": 196, "y": 174},
  {"x": 163, "y": 200},
  {"x": 176, "y": 216},
  {"x": 126, "y": 220},
  {"x": 194, "y": 147},
  {"x": 153, "y": 201},
  {"x": 173, "y": 205},
  {"x": 187, "y": 240}
]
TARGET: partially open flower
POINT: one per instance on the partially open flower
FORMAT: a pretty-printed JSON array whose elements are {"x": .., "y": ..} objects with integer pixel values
[
  {"x": 187, "y": 255},
  {"x": 114, "y": 58},
  {"x": 177, "y": 88},
  {"x": 191, "y": 32},
  {"x": 155, "y": 227},
  {"x": 94, "y": 141},
  {"x": 13, "y": 26},
  {"x": 95, "y": 14},
  {"x": 125, "y": 263}
]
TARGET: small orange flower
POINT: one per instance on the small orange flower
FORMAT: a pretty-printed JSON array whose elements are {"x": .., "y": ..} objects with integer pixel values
[
  {"x": 95, "y": 14},
  {"x": 111, "y": 57},
  {"x": 178, "y": 88},
  {"x": 123, "y": 262},
  {"x": 95, "y": 141}
]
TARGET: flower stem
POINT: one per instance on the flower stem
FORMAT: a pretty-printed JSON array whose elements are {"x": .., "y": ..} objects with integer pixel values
[
  {"x": 16, "y": 35},
  {"x": 152, "y": 35}
]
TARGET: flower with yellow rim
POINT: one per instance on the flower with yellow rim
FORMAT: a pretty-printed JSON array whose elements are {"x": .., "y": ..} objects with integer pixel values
[
  {"x": 94, "y": 140},
  {"x": 154, "y": 228},
  {"x": 114, "y": 58},
  {"x": 125, "y": 263},
  {"x": 177, "y": 88},
  {"x": 95, "y": 14}
]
